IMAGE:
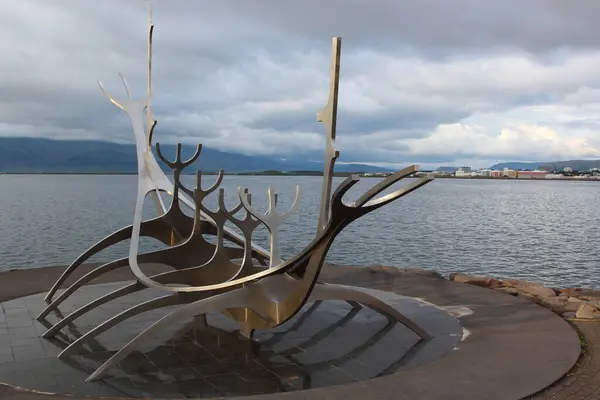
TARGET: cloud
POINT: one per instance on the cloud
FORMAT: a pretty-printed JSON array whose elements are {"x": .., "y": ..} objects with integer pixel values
[
  {"x": 523, "y": 141},
  {"x": 465, "y": 82}
]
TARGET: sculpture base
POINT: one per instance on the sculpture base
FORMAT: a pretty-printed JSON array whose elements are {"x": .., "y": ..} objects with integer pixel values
[{"x": 327, "y": 343}]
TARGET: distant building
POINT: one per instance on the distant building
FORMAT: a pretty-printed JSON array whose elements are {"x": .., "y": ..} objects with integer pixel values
[
  {"x": 463, "y": 171},
  {"x": 567, "y": 169},
  {"x": 496, "y": 174},
  {"x": 485, "y": 172},
  {"x": 509, "y": 173},
  {"x": 531, "y": 174},
  {"x": 441, "y": 173}
]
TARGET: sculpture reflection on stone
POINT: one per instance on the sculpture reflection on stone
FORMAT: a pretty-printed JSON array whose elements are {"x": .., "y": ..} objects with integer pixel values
[{"x": 260, "y": 292}]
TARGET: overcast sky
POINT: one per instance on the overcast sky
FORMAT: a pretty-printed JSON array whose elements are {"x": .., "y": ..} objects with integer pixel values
[{"x": 430, "y": 82}]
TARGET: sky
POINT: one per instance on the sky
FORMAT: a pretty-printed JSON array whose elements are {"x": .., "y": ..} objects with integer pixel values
[{"x": 454, "y": 82}]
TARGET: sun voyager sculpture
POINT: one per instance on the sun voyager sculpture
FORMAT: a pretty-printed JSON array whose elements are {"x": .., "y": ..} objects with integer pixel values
[{"x": 260, "y": 292}]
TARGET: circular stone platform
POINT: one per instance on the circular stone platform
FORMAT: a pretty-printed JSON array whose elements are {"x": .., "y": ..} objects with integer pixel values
[
  {"x": 510, "y": 348},
  {"x": 327, "y": 343}
]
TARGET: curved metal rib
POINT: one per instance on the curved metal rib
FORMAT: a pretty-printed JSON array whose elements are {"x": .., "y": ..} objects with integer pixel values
[
  {"x": 123, "y": 291},
  {"x": 161, "y": 228},
  {"x": 153, "y": 304},
  {"x": 165, "y": 277},
  {"x": 232, "y": 299},
  {"x": 80, "y": 282},
  {"x": 384, "y": 184},
  {"x": 184, "y": 256},
  {"x": 349, "y": 293},
  {"x": 113, "y": 238}
]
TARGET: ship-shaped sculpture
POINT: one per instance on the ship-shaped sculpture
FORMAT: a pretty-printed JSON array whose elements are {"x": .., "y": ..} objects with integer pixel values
[{"x": 260, "y": 292}]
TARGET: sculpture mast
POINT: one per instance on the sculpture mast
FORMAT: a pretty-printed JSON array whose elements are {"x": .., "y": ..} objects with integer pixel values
[
  {"x": 150, "y": 121},
  {"x": 328, "y": 117}
]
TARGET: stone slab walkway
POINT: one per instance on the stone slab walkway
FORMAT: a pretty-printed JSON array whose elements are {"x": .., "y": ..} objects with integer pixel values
[{"x": 514, "y": 345}]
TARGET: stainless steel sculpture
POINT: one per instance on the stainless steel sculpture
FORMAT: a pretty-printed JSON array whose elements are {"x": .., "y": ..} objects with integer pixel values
[{"x": 206, "y": 277}]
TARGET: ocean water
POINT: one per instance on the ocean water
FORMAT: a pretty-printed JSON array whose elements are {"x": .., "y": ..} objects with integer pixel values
[{"x": 537, "y": 230}]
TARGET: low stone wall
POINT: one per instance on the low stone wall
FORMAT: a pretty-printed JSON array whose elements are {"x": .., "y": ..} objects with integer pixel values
[{"x": 571, "y": 303}]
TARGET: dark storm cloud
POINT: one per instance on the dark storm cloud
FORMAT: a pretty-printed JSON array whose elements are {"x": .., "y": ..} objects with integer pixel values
[{"x": 535, "y": 26}]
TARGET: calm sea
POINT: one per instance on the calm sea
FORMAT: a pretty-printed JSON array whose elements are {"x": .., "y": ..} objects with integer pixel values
[{"x": 545, "y": 231}]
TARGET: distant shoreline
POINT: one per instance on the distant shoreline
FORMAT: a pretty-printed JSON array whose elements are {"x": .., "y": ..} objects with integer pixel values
[
  {"x": 313, "y": 173},
  {"x": 265, "y": 173},
  {"x": 491, "y": 178}
]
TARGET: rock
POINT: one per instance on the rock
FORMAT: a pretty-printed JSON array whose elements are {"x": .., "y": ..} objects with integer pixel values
[
  {"x": 472, "y": 279},
  {"x": 585, "y": 311},
  {"x": 570, "y": 292},
  {"x": 535, "y": 289},
  {"x": 407, "y": 271},
  {"x": 510, "y": 282},
  {"x": 495, "y": 283},
  {"x": 573, "y": 305},
  {"x": 508, "y": 290},
  {"x": 589, "y": 292},
  {"x": 575, "y": 300},
  {"x": 529, "y": 288},
  {"x": 526, "y": 294},
  {"x": 589, "y": 297},
  {"x": 594, "y": 304},
  {"x": 554, "y": 303},
  {"x": 569, "y": 314}
]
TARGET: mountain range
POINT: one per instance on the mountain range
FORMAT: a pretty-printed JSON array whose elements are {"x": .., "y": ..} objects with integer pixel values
[{"x": 35, "y": 155}]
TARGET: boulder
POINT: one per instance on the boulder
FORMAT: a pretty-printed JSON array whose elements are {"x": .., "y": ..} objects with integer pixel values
[
  {"x": 528, "y": 288},
  {"x": 484, "y": 281},
  {"x": 406, "y": 271},
  {"x": 510, "y": 282},
  {"x": 570, "y": 292},
  {"x": 589, "y": 297},
  {"x": 554, "y": 303},
  {"x": 573, "y": 305},
  {"x": 568, "y": 315},
  {"x": 589, "y": 292},
  {"x": 594, "y": 304},
  {"x": 535, "y": 289},
  {"x": 508, "y": 290},
  {"x": 495, "y": 283},
  {"x": 585, "y": 311}
]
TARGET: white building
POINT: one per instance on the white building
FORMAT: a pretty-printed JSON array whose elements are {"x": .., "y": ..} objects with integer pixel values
[{"x": 463, "y": 171}]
